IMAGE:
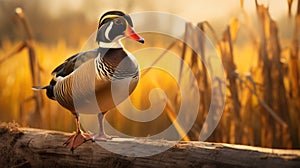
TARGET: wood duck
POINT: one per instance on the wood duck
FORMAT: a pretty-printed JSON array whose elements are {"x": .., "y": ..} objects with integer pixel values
[{"x": 90, "y": 74}]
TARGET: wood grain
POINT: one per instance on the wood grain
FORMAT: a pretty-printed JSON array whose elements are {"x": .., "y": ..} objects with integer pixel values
[{"x": 27, "y": 147}]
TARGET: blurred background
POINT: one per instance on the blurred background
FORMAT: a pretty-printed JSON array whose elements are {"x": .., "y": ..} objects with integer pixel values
[{"x": 258, "y": 42}]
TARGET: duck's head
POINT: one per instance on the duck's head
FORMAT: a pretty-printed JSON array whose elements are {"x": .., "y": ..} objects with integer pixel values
[{"x": 114, "y": 25}]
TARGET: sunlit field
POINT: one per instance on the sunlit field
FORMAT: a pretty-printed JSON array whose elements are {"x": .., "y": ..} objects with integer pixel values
[{"x": 262, "y": 106}]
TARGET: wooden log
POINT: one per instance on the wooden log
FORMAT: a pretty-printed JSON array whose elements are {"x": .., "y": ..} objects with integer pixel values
[{"x": 27, "y": 147}]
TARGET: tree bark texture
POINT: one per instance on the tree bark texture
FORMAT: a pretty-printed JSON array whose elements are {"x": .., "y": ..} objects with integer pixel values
[{"x": 27, "y": 147}]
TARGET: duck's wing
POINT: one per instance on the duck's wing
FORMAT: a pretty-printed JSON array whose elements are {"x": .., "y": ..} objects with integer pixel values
[
  {"x": 66, "y": 68},
  {"x": 73, "y": 62}
]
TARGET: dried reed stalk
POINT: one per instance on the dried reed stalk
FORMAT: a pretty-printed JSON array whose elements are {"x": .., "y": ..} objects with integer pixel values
[
  {"x": 295, "y": 80},
  {"x": 35, "y": 118},
  {"x": 206, "y": 93},
  {"x": 184, "y": 48},
  {"x": 274, "y": 90},
  {"x": 230, "y": 69}
]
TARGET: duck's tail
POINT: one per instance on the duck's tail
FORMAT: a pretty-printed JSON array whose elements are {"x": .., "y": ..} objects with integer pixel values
[
  {"x": 37, "y": 88},
  {"x": 49, "y": 91}
]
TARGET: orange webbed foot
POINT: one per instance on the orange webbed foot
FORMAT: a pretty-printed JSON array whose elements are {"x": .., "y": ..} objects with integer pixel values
[{"x": 77, "y": 139}]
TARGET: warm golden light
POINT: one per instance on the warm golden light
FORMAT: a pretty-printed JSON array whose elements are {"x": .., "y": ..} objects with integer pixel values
[{"x": 258, "y": 45}]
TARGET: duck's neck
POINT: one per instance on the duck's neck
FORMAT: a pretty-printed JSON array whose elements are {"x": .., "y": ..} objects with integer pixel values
[
  {"x": 113, "y": 44},
  {"x": 111, "y": 53},
  {"x": 109, "y": 57}
]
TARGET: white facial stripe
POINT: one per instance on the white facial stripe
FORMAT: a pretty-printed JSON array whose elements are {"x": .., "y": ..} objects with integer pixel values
[{"x": 108, "y": 30}]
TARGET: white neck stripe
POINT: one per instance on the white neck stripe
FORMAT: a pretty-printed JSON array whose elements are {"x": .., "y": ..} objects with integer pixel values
[{"x": 115, "y": 44}]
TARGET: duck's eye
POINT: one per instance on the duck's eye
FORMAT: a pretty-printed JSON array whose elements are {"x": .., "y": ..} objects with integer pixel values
[{"x": 118, "y": 21}]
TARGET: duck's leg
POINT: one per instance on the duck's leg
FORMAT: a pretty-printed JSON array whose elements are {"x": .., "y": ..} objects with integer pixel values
[
  {"x": 78, "y": 138},
  {"x": 102, "y": 136}
]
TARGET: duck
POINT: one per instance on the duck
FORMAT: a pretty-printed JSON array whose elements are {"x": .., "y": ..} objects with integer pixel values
[{"x": 89, "y": 75}]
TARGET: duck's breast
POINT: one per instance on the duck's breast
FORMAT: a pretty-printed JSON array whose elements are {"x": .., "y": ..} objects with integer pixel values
[{"x": 85, "y": 91}]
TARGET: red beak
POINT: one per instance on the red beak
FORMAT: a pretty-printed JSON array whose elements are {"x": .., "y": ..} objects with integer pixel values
[{"x": 129, "y": 32}]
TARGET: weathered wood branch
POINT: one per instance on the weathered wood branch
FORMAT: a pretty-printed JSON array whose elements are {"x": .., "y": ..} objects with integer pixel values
[{"x": 26, "y": 147}]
